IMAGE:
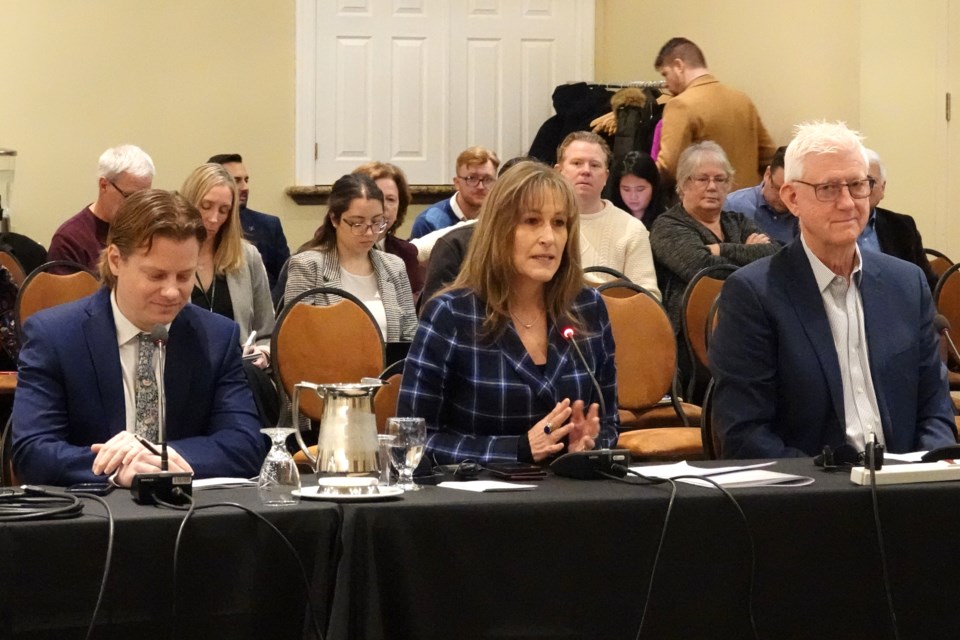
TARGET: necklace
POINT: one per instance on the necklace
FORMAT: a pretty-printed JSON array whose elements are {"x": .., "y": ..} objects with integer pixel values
[{"x": 524, "y": 324}]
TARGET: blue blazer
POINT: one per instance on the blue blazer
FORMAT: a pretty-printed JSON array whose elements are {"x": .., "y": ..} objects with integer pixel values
[
  {"x": 265, "y": 232},
  {"x": 70, "y": 394},
  {"x": 480, "y": 398},
  {"x": 778, "y": 386}
]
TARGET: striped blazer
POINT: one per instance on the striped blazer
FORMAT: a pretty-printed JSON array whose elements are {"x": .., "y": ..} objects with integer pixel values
[
  {"x": 310, "y": 269},
  {"x": 479, "y": 398}
]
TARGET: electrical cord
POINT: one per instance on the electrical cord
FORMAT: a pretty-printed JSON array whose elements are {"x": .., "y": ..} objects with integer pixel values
[
  {"x": 36, "y": 503},
  {"x": 888, "y": 591},
  {"x": 673, "y": 493},
  {"x": 193, "y": 508}
]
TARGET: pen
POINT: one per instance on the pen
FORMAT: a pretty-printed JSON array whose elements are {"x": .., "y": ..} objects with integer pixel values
[
  {"x": 250, "y": 339},
  {"x": 146, "y": 443}
]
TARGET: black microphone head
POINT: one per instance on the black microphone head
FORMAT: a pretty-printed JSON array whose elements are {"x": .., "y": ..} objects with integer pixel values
[
  {"x": 158, "y": 335},
  {"x": 940, "y": 323}
]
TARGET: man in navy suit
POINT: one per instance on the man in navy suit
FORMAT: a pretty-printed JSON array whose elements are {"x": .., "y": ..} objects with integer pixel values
[
  {"x": 76, "y": 409},
  {"x": 262, "y": 230},
  {"x": 822, "y": 344}
]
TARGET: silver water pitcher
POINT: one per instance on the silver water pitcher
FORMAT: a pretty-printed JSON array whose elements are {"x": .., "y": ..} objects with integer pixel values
[{"x": 347, "y": 443}]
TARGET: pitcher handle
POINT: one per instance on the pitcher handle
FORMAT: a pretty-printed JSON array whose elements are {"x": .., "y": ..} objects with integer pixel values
[{"x": 296, "y": 418}]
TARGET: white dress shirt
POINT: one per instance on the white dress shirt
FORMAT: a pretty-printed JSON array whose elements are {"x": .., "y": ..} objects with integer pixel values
[{"x": 129, "y": 345}]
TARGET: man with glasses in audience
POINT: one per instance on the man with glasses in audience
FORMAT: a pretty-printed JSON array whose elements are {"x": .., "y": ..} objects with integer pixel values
[
  {"x": 123, "y": 171},
  {"x": 476, "y": 173},
  {"x": 892, "y": 233},
  {"x": 822, "y": 344},
  {"x": 763, "y": 205}
]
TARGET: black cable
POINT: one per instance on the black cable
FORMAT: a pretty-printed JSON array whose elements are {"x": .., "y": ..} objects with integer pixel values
[
  {"x": 106, "y": 563},
  {"x": 193, "y": 508},
  {"x": 883, "y": 554},
  {"x": 35, "y": 503},
  {"x": 663, "y": 532}
]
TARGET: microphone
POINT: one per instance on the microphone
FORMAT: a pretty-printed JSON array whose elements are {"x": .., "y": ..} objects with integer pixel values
[
  {"x": 942, "y": 325},
  {"x": 165, "y": 487},
  {"x": 159, "y": 335},
  {"x": 570, "y": 336}
]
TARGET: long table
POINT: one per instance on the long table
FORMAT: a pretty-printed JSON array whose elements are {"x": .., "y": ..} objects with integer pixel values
[{"x": 571, "y": 559}]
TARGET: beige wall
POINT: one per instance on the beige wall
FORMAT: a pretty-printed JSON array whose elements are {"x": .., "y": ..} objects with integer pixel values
[{"x": 185, "y": 79}]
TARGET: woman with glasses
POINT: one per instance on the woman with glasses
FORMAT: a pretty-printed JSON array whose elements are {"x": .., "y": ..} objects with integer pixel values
[
  {"x": 342, "y": 255},
  {"x": 491, "y": 369},
  {"x": 696, "y": 233},
  {"x": 396, "y": 198},
  {"x": 230, "y": 279}
]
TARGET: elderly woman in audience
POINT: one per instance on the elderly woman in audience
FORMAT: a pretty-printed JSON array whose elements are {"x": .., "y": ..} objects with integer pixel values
[
  {"x": 342, "y": 255},
  {"x": 396, "y": 198},
  {"x": 491, "y": 368},
  {"x": 230, "y": 279},
  {"x": 635, "y": 187},
  {"x": 696, "y": 233}
]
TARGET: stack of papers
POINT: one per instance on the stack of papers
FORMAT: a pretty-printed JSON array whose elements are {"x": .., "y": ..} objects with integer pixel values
[
  {"x": 483, "y": 486},
  {"x": 753, "y": 475}
]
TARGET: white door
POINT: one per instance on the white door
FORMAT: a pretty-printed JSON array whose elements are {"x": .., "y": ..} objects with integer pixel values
[{"x": 414, "y": 82}]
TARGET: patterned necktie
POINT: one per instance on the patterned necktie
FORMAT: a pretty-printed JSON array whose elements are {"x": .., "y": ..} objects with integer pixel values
[{"x": 146, "y": 391}]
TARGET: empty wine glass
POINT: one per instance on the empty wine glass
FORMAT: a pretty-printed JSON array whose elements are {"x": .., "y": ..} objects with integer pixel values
[
  {"x": 279, "y": 477},
  {"x": 407, "y": 449},
  {"x": 384, "y": 442}
]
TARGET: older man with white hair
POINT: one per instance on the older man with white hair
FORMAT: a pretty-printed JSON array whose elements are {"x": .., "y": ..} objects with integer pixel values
[{"x": 822, "y": 344}]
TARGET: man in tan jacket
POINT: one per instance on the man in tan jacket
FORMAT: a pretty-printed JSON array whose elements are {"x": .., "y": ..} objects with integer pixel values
[{"x": 704, "y": 109}]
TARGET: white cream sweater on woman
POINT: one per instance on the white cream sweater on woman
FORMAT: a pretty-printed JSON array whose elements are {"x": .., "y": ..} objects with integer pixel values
[{"x": 613, "y": 238}]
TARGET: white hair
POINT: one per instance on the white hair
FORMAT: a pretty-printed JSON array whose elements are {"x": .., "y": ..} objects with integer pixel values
[
  {"x": 126, "y": 158},
  {"x": 816, "y": 138},
  {"x": 697, "y": 154},
  {"x": 874, "y": 158}
]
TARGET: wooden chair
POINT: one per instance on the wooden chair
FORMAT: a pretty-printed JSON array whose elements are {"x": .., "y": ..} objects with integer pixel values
[
  {"x": 340, "y": 342},
  {"x": 711, "y": 442},
  {"x": 698, "y": 297},
  {"x": 618, "y": 289},
  {"x": 646, "y": 358},
  {"x": 946, "y": 297},
  {"x": 43, "y": 289},
  {"x": 938, "y": 261},
  {"x": 17, "y": 274}
]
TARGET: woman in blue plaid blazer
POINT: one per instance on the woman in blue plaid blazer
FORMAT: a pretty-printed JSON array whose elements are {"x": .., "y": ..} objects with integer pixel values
[{"x": 489, "y": 368}]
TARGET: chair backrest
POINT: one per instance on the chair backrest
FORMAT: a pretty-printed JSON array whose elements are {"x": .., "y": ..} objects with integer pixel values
[
  {"x": 698, "y": 297},
  {"x": 646, "y": 353},
  {"x": 938, "y": 262},
  {"x": 340, "y": 342},
  {"x": 947, "y": 296},
  {"x": 385, "y": 401},
  {"x": 17, "y": 274},
  {"x": 620, "y": 289},
  {"x": 598, "y": 279},
  {"x": 708, "y": 435},
  {"x": 43, "y": 289}
]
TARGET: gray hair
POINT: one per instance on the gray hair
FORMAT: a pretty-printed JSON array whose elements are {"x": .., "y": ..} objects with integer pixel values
[
  {"x": 820, "y": 137},
  {"x": 695, "y": 155},
  {"x": 126, "y": 158},
  {"x": 874, "y": 158}
]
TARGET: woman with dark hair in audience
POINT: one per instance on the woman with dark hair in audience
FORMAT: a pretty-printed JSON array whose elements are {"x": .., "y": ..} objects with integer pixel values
[
  {"x": 696, "y": 233},
  {"x": 230, "y": 279},
  {"x": 342, "y": 255},
  {"x": 396, "y": 199},
  {"x": 635, "y": 187},
  {"x": 490, "y": 369}
]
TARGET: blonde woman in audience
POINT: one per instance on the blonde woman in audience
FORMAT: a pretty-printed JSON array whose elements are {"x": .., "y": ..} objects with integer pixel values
[
  {"x": 490, "y": 368},
  {"x": 230, "y": 279},
  {"x": 342, "y": 255},
  {"x": 396, "y": 198}
]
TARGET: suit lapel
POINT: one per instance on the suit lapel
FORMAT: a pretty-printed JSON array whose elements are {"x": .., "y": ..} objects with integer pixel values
[
  {"x": 519, "y": 359},
  {"x": 801, "y": 288},
  {"x": 100, "y": 333},
  {"x": 183, "y": 351},
  {"x": 874, "y": 293}
]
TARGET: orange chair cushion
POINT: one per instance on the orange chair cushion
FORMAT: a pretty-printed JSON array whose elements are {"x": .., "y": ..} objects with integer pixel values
[
  {"x": 657, "y": 416},
  {"x": 677, "y": 442}
]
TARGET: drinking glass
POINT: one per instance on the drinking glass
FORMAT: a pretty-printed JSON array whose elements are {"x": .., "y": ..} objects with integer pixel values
[
  {"x": 407, "y": 449},
  {"x": 384, "y": 442},
  {"x": 279, "y": 477}
]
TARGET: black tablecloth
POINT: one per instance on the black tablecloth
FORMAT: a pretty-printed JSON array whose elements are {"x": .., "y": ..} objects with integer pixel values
[{"x": 570, "y": 559}]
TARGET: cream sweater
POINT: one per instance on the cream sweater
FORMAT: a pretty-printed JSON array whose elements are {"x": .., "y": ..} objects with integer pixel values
[{"x": 613, "y": 238}]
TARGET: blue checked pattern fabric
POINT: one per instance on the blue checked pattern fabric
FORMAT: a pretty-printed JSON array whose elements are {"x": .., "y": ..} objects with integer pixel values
[
  {"x": 479, "y": 398},
  {"x": 147, "y": 424}
]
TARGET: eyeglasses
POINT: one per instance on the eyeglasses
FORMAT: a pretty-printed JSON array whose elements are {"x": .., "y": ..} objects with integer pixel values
[
  {"x": 703, "y": 181},
  {"x": 120, "y": 191},
  {"x": 361, "y": 228},
  {"x": 474, "y": 181},
  {"x": 830, "y": 191}
]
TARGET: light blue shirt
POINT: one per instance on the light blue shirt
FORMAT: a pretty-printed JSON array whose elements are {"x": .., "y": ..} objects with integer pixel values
[
  {"x": 781, "y": 227},
  {"x": 868, "y": 240}
]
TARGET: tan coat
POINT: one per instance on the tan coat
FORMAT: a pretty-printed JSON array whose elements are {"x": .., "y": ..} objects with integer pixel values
[{"x": 708, "y": 110}]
